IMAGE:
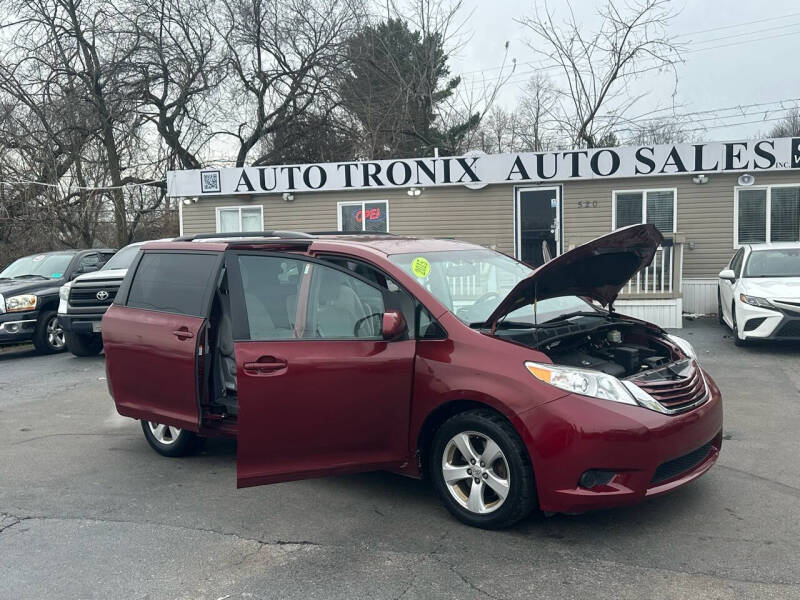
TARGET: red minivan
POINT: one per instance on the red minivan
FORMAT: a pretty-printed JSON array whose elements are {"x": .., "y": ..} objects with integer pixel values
[{"x": 510, "y": 388}]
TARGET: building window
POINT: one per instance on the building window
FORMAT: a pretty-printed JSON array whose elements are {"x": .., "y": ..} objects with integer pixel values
[
  {"x": 767, "y": 214},
  {"x": 240, "y": 218},
  {"x": 364, "y": 216},
  {"x": 645, "y": 206}
]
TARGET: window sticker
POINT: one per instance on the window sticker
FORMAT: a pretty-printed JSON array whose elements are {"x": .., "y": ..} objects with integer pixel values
[
  {"x": 55, "y": 275},
  {"x": 420, "y": 267}
]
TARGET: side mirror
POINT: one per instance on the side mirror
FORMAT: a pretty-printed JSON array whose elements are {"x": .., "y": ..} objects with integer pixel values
[
  {"x": 727, "y": 274},
  {"x": 393, "y": 325}
]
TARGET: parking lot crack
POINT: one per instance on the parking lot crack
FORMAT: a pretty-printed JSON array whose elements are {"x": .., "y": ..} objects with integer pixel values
[{"x": 7, "y": 521}]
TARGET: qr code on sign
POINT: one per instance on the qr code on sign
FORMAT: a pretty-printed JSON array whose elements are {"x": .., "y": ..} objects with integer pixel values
[{"x": 209, "y": 181}]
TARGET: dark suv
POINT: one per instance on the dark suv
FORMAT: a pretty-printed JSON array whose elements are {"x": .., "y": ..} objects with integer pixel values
[
  {"x": 29, "y": 295},
  {"x": 508, "y": 387}
]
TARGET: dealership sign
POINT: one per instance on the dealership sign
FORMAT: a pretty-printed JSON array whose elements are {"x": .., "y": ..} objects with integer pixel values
[{"x": 476, "y": 170}]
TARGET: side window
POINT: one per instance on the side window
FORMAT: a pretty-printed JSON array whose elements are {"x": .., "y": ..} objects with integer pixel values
[
  {"x": 90, "y": 262},
  {"x": 395, "y": 297},
  {"x": 342, "y": 307},
  {"x": 173, "y": 282},
  {"x": 428, "y": 328},
  {"x": 271, "y": 286}
]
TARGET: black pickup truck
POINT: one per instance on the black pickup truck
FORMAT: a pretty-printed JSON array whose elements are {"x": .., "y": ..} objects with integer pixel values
[{"x": 29, "y": 295}]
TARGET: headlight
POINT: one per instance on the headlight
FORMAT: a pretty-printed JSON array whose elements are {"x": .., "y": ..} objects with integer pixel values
[
  {"x": 63, "y": 291},
  {"x": 756, "y": 301},
  {"x": 21, "y": 303},
  {"x": 582, "y": 381},
  {"x": 685, "y": 346}
]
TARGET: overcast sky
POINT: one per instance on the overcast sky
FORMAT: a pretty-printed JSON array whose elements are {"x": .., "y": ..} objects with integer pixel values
[{"x": 758, "y": 61}]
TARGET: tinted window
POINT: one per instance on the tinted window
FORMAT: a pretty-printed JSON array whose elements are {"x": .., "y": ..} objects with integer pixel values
[
  {"x": 270, "y": 295},
  {"x": 173, "y": 282}
]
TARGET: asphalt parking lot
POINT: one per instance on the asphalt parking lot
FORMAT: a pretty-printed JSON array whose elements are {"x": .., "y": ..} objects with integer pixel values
[{"x": 87, "y": 510}]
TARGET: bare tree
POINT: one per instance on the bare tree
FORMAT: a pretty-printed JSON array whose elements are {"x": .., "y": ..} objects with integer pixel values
[
  {"x": 537, "y": 109},
  {"x": 596, "y": 68},
  {"x": 70, "y": 64},
  {"x": 283, "y": 58},
  {"x": 789, "y": 126}
]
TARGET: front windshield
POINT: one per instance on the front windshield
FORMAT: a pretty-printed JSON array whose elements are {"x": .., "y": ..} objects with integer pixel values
[
  {"x": 49, "y": 266},
  {"x": 472, "y": 283},
  {"x": 123, "y": 258},
  {"x": 773, "y": 263}
]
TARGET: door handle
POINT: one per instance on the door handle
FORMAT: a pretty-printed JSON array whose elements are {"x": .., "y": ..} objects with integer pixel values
[
  {"x": 265, "y": 364},
  {"x": 183, "y": 334}
]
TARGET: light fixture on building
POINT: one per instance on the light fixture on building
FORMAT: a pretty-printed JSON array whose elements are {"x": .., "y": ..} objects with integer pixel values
[
  {"x": 187, "y": 201},
  {"x": 700, "y": 179},
  {"x": 746, "y": 179},
  {"x": 414, "y": 191},
  {"x": 288, "y": 197}
]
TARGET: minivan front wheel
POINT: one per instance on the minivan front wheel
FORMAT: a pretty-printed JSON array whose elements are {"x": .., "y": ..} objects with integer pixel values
[
  {"x": 170, "y": 441},
  {"x": 481, "y": 471}
]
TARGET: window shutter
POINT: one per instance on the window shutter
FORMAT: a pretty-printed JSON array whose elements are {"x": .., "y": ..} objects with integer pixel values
[
  {"x": 629, "y": 209},
  {"x": 752, "y": 216},
  {"x": 661, "y": 210},
  {"x": 785, "y": 214}
]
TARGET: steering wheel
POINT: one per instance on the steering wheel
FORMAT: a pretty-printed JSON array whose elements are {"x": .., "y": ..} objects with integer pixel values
[
  {"x": 363, "y": 320},
  {"x": 472, "y": 310}
]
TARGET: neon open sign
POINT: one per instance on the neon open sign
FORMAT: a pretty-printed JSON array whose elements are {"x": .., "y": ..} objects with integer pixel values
[{"x": 371, "y": 214}]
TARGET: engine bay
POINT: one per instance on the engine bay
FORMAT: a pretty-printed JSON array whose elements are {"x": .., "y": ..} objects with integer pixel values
[{"x": 617, "y": 347}]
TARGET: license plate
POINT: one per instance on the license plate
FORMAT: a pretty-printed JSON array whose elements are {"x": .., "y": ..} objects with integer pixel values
[{"x": 96, "y": 327}]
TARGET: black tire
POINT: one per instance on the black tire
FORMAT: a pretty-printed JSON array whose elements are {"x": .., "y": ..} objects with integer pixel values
[
  {"x": 48, "y": 337},
  {"x": 736, "y": 339},
  {"x": 184, "y": 444},
  {"x": 719, "y": 309},
  {"x": 521, "y": 497},
  {"x": 82, "y": 344}
]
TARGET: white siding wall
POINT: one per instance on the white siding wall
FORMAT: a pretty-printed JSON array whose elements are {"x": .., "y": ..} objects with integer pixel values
[
  {"x": 665, "y": 313},
  {"x": 700, "y": 296}
]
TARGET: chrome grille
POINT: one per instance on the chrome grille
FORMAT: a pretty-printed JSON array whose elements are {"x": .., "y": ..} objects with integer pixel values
[
  {"x": 675, "y": 386},
  {"x": 84, "y": 294}
]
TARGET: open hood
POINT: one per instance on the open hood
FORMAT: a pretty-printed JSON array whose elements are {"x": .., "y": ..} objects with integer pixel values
[{"x": 598, "y": 269}]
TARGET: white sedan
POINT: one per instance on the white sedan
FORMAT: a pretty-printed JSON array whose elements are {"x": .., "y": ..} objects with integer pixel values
[{"x": 759, "y": 292}]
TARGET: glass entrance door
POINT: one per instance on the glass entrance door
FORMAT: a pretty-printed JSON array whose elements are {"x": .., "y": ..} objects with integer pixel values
[{"x": 538, "y": 223}]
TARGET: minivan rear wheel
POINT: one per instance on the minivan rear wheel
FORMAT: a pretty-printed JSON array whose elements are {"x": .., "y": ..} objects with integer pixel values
[
  {"x": 481, "y": 471},
  {"x": 170, "y": 441}
]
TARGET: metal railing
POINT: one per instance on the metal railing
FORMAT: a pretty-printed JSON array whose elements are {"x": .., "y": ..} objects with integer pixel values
[{"x": 662, "y": 277}]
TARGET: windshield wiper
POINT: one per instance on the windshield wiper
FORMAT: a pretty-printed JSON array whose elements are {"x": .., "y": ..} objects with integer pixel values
[{"x": 29, "y": 275}]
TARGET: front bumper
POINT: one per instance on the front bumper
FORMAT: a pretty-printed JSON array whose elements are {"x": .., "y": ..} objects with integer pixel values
[
  {"x": 83, "y": 324},
  {"x": 650, "y": 453},
  {"x": 756, "y": 322},
  {"x": 16, "y": 328}
]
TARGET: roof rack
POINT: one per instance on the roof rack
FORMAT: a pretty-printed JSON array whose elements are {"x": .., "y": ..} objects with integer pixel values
[
  {"x": 283, "y": 235},
  {"x": 373, "y": 233}
]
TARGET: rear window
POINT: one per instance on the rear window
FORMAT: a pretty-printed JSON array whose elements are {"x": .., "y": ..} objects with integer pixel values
[{"x": 175, "y": 283}]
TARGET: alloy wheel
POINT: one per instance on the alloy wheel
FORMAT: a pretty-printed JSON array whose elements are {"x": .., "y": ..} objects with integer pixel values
[
  {"x": 476, "y": 472},
  {"x": 164, "y": 434},
  {"x": 55, "y": 334}
]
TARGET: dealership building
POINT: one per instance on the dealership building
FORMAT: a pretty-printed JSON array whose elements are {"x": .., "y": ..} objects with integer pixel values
[{"x": 706, "y": 198}]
